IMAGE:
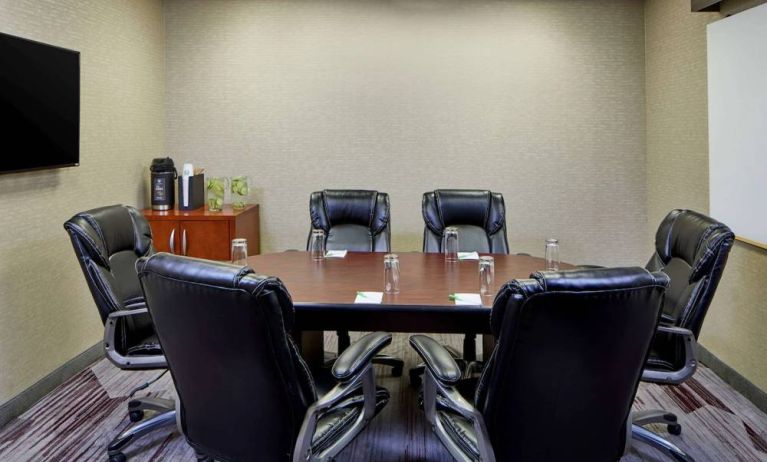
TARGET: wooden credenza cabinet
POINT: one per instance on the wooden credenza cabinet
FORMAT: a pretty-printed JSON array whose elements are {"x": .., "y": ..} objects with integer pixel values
[{"x": 203, "y": 234}]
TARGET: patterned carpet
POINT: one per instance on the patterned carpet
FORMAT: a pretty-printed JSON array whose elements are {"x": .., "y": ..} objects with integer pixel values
[{"x": 76, "y": 421}]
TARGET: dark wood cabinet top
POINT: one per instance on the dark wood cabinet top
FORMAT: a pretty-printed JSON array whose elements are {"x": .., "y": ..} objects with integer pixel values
[{"x": 228, "y": 213}]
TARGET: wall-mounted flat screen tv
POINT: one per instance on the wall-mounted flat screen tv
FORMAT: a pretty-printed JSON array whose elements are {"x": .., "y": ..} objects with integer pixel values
[{"x": 39, "y": 105}]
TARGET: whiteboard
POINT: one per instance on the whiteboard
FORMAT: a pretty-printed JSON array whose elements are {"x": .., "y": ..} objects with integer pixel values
[{"x": 737, "y": 122}]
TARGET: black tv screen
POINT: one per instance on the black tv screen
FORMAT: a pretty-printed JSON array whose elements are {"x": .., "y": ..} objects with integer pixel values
[{"x": 39, "y": 105}]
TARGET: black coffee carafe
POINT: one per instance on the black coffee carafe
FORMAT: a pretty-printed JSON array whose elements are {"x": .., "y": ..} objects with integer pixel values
[{"x": 163, "y": 183}]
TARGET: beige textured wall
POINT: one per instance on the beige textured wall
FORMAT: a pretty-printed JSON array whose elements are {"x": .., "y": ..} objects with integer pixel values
[
  {"x": 677, "y": 117},
  {"x": 542, "y": 101},
  {"x": 677, "y": 177},
  {"x": 46, "y": 313}
]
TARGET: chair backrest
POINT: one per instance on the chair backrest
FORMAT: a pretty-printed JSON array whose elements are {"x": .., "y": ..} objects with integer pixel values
[
  {"x": 480, "y": 217},
  {"x": 242, "y": 386},
  {"x": 692, "y": 249},
  {"x": 355, "y": 220},
  {"x": 107, "y": 242},
  {"x": 571, "y": 347}
]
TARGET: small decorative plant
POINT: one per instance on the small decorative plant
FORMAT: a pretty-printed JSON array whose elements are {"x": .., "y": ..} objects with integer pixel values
[
  {"x": 216, "y": 190},
  {"x": 240, "y": 191}
]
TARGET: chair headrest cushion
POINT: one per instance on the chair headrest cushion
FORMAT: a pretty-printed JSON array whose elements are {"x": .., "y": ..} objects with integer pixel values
[
  {"x": 586, "y": 281},
  {"x": 450, "y": 207},
  {"x": 216, "y": 274},
  {"x": 107, "y": 230},
  {"x": 598, "y": 279},
  {"x": 330, "y": 208},
  {"x": 692, "y": 237},
  {"x": 194, "y": 270}
]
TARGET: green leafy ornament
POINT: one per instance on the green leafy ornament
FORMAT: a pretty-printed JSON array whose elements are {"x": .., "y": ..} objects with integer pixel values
[
  {"x": 240, "y": 191},
  {"x": 216, "y": 190}
]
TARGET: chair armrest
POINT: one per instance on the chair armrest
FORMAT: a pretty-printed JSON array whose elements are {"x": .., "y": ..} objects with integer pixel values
[
  {"x": 589, "y": 267},
  {"x": 354, "y": 370},
  {"x": 677, "y": 331},
  {"x": 690, "y": 359},
  {"x": 128, "y": 362},
  {"x": 439, "y": 379},
  {"x": 359, "y": 354},
  {"x": 126, "y": 313},
  {"x": 666, "y": 320},
  {"x": 437, "y": 359}
]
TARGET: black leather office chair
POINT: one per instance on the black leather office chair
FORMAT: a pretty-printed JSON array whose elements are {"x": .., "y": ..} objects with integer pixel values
[
  {"x": 358, "y": 221},
  {"x": 108, "y": 241},
  {"x": 571, "y": 347},
  {"x": 244, "y": 392},
  {"x": 480, "y": 217},
  {"x": 692, "y": 249}
]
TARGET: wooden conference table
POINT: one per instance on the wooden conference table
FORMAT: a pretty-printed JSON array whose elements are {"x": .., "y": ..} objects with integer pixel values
[{"x": 323, "y": 292}]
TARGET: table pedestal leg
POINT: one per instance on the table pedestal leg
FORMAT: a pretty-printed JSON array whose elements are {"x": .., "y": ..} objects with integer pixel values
[
  {"x": 312, "y": 348},
  {"x": 488, "y": 344},
  {"x": 343, "y": 340},
  {"x": 470, "y": 347}
]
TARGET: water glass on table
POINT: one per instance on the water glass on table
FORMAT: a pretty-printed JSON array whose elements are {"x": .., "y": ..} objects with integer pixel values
[
  {"x": 450, "y": 243},
  {"x": 317, "y": 244},
  {"x": 240, "y": 252},
  {"x": 552, "y": 255},
  {"x": 391, "y": 274},
  {"x": 486, "y": 275}
]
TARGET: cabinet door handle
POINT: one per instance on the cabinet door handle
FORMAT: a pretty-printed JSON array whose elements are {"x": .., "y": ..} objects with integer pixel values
[
  {"x": 183, "y": 241},
  {"x": 171, "y": 241}
]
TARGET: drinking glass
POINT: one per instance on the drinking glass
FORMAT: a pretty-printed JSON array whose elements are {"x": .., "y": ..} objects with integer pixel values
[
  {"x": 450, "y": 243},
  {"x": 240, "y": 251},
  {"x": 317, "y": 244},
  {"x": 216, "y": 191},
  {"x": 240, "y": 189},
  {"x": 391, "y": 274},
  {"x": 486, "y": 275},
  {"x": 552, "y": 255}
]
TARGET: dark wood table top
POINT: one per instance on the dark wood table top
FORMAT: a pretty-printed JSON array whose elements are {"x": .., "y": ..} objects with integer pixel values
[{"x": 323, "y": 292}]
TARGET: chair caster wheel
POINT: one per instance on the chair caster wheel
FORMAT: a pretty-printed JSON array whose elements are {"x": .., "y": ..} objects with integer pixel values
[
  {"x": 675, "y": 429},
  {"x": 136, "y": 416},
  {"x": 118, "y": 457},
  {"x": 396, "y": 372},
  {"x": 415, "y": 380}
]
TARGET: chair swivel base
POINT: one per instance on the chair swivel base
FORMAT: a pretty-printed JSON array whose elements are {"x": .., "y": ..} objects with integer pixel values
[
  {"x": 657, "y": 416},
  {"x": 639, "y": 433},
  {"x": 646, "y": 436},
  {"x": 136, "y": 407},
  {"x": 114, "y": 449},
  {"x": 203, "y": 457}
]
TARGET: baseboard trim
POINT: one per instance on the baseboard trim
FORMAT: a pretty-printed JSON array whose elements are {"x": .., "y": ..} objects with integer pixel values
[
  {"x": 24, "y": 400},
  {"x": 732, "y": 377}
]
